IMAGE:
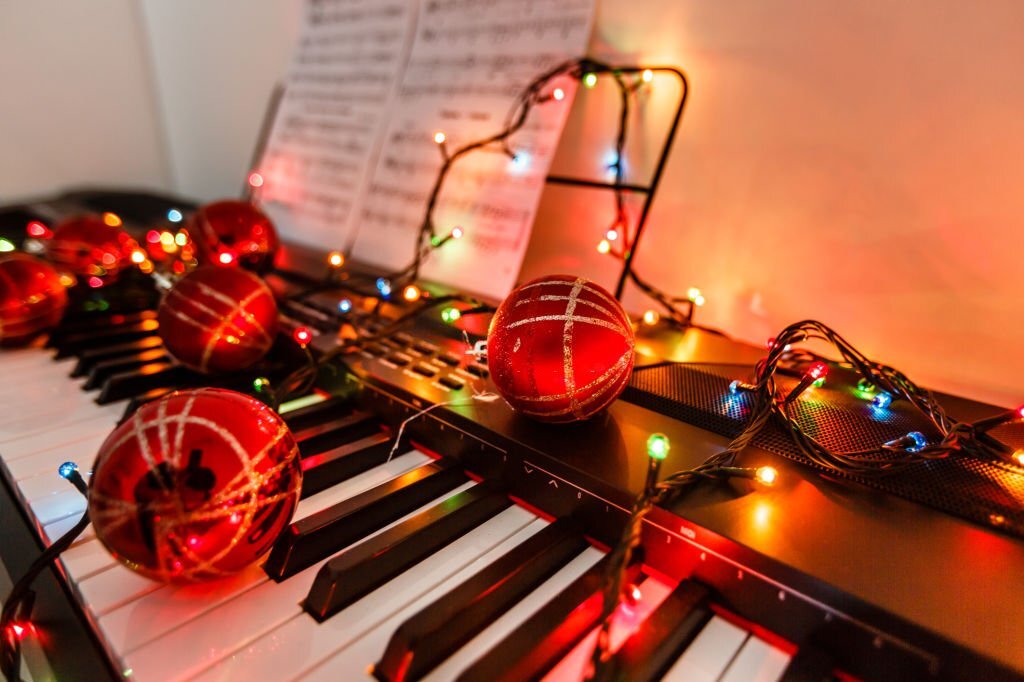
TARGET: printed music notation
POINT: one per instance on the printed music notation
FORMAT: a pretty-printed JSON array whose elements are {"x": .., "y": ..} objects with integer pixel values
[{"x": 370, "y": 83}]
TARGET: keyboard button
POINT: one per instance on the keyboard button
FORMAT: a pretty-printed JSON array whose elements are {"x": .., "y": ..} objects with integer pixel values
[
  {"x": 399, "y": 359},
  {"x": 403, "y": 338},
  {"x": 435, "y": 632},
  {"x": 376, "y": 349},
  {"x": 425, "y": 370},
  {"x": 425, "y": 347},
  {"x": 370, "y": 564},
  {"x": 320, "y": 535},
  {"x": 451, "y": 382},
  {"x": 450, "y": 359}
]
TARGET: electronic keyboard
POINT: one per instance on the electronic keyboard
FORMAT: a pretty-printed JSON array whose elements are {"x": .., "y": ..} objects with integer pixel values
[{"x": 441, "y": 536}]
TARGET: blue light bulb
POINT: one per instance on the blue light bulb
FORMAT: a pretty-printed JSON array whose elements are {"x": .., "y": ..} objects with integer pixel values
[
  {"x": 175, "y": 216},
  {"x": 918, "y": 441},
  {"x": 383, "y": 286},
  {"x": 882, "y": 401},
  {"x": 734, "y": 386},
  {"x": 67, "y": 469},
  {"x": 344, "y": 305}
]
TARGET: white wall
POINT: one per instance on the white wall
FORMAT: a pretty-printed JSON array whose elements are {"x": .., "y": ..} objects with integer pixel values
[
  {"x": 214, "y": 66},
  {"x": 76, "y": 99},
  {"x": 858, "y": 162}
]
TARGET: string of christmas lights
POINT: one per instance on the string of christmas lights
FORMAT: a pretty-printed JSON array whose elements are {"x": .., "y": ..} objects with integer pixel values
[{"x": 771, "y": 401}]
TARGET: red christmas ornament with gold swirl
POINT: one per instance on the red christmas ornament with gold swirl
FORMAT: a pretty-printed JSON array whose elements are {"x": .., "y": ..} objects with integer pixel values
[
  {"x": 195, "y": 486},
  {"x": 218, "y": 319},
  {"x": 233, "y": 232},
  {"x": 92, "y": 249},
  {"x": 560, "y": 349},
  {"x": 32, "y": 298}
]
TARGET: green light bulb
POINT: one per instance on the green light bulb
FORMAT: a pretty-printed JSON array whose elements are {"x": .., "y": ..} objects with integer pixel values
[
  {"x": 658, "y": 446},
  {"x": 590, "y": 80}
]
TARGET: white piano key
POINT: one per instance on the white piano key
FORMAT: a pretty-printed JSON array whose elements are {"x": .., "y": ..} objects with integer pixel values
[
  {"x": 110, "y": 588},
  {"x": 85, "y": 559},
  {"x": 627, "y": 620},
  {"x": 203, "y": 641},
  {"x": 51, "y": 508},
  {"x": 102, "y": 422},
  {"x": 304, "y": 401},
  {"x": 515, "y": 616},
  {"x": 47, "y": 484},
  {"x": 709, "y": 654},
  {"x": 47, "y": 461},
  {"x": 154, "y": 614},
  {"x": 757, "y": 661},
  {"x": 53, "y": 531},
  {"x": 348, "y": 642}
]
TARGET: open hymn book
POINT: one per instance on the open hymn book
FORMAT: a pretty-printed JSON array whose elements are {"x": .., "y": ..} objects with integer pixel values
[{"x": 351, "y": 158}]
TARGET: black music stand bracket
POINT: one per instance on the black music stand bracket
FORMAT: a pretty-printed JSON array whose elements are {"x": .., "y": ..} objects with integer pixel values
[{"x": 648, "y": 189}]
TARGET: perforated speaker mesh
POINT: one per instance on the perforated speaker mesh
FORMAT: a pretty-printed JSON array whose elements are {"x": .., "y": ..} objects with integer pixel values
[{"x": 988, "y": 493}]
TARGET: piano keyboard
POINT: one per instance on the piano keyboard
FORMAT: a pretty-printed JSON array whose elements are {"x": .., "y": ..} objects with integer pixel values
[{"x": 394, "y": 568}]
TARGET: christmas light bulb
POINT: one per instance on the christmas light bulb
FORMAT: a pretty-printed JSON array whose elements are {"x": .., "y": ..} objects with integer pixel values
[
  {"x": 226, "y": 258},
  {"x": 67, "y": 469},
  {"x": 771, "y": 344},
  {"x": 440, "y": 137},
  {"x": 1020, "y": 411},
  {"x": 94, "y": 282},
  {"x": 411, "y": 293},
  {"x": 1018, "y": 457},
  {"x": 633, "y": 594},
  {"x": 383, "y": 286},
  {"x": 451, "y": 315},
  {"x": 335, "y": 259},
  {"x": 457, "y": 233},
  {"x": 604, "y": 246},
  {"x": 36, "y": 229},
  {"x": 302, "y": 336},
  {"x": 694, "y": 294},
  {"x": 865, "y": 386},
  {"x": 6, "y": 245},
  {"x": 138, "y": 257},
  {"x": 651, "y": 318},
  {"x": 817, "y": 370},
  {"x": 590, "y": 80},
  {"x": 558, "y": 94},
  {"x": 881, "y": 401},
  {"x": 112, "y": 219},
  {"x": 175, "y": 216},
  {"x": 181, "y": 239},
  {"x": 734, "y": 386},
  {"x": 612, "y": 235},
  {"x": 658, "y": 446},
  {"x": 260, "y": 383},
  {"x": 647, "y": 76},
  {"x": 912, "y": 442},
  {"x": 766, "y": 475},
  {"x": 255, "y": 180},
  {"x": 344, "y": 305}
]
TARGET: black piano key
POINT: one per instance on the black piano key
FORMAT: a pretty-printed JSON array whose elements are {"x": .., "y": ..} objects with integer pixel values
[
  {"x": 141, "y": 380},
  {"x": 87, "y": 359},
  {"x": 335, "y": 431},
  {"x": 101, "y": 371},
  {"x": 441, "y": 628},
  {"x": 320, "y": 535},
  {"x": 96, "y": 322},
  {"x": 317, "y": 412},
  {"x": 548, "y": 635},
  {"x": 810, "y": 664},
  {"x": 74, "y": 344},
  {"x": 662, "y": 638},
  {"x": 324, "y": 469},
  {"x": 363, "y": 568}
]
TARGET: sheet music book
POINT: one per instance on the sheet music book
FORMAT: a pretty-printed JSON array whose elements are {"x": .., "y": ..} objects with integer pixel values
[{"x": 351, "y": 159}]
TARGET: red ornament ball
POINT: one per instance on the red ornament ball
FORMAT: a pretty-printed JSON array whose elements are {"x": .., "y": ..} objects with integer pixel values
[
  {"x": 232, "y": 232},
  {"x": 32, "y": 298},
  {"x": 218, "y": 319},
  {"x": 195, "y": 486},
  {"x": 90, "y": 248},
  {"x": 560, "y": 349}
]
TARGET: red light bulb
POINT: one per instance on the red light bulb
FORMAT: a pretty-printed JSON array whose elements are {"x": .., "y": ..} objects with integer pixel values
[
  {"x": 302, "y": 336},
  {"x": 818, "y": 370}
]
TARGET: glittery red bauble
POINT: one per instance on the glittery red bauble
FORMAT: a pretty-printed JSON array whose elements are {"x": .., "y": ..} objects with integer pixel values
[
  {"x": 233, "y": 232},
  {"x": 89, "y": 248},
  {"x": 218, "y": 319},
  {"x": 560, "y": 349},
  {"x": 195, "y": 486},
  {"x": 32, "y": 298}
]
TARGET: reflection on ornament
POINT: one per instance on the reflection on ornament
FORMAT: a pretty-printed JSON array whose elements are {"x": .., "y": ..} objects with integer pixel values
[
  {"x": 560, "y": 349},
  {"x": 91, "y": 248},
  {"x": 230, "y": 231},
  {"x": 195, "y": 486},
  {"x": 32, "y": 298},
  {"x": 218, "y": 319}
]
